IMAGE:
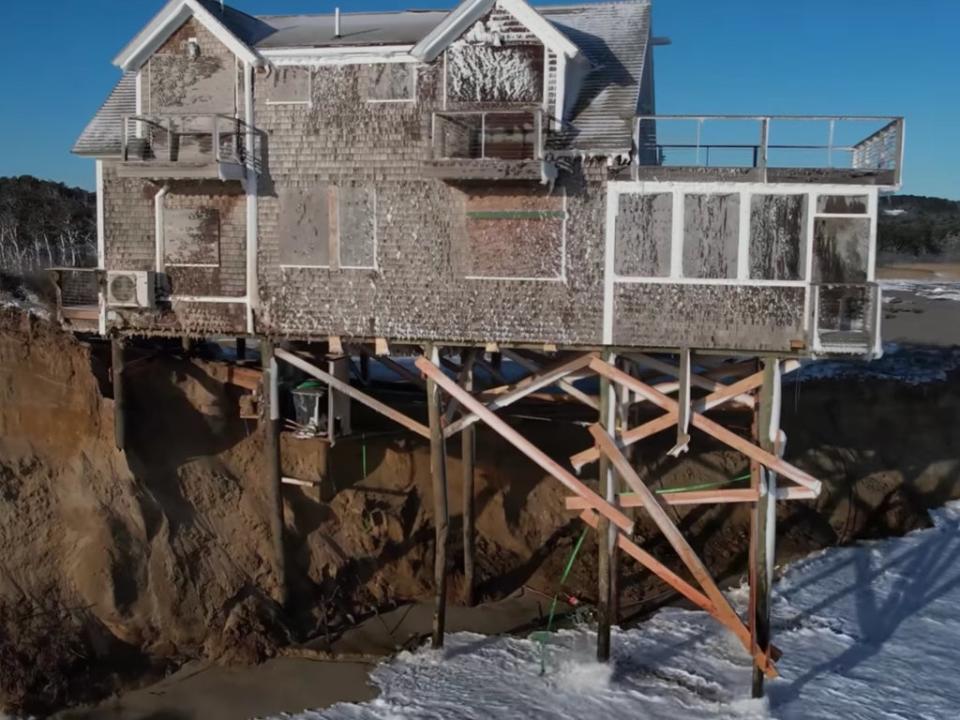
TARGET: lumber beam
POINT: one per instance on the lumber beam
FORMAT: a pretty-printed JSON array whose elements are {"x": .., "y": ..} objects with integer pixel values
[
  {"x": 117, "y": 376},
  {"x": 272, "y": 460},
  {"x": 764, "y": 457},
  {"x": 350, "y": 391},
  {"x": 565, "y": 385},
  {"x": 764, "y": 523},
  {"x": 548, "y": 464},
  {"x": 392, "y": 365},
  {"x": 652, "y": 427},
  {"x": 687, "y": 554},
  {"x": 524, "y": 387},
  {"x": 691, "y": 497},
  {"x": 606, "y": 535},
  {"x": 696, "y": 380},
  {"x": 468, "y": 453},
  {"x": 441, "y": 510},
  {"x": 648, "y": 561}
]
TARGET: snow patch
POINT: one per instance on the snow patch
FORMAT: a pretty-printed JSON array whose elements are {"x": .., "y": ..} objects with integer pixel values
[
  {"x": 479, "y": 72},
  {"x": 867, "y": 631},
  {"x": 930, "y": 289}
]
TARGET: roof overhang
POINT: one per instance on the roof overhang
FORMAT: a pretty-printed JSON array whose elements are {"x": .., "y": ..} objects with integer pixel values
[
  {"x": 166, "y": 22},
  {"x": 468, "y": 12}
]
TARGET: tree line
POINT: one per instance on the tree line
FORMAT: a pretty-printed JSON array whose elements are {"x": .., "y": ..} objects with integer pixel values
[{"x": 45, "y": 224}]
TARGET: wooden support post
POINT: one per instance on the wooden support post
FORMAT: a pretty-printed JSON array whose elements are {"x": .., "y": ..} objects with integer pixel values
[
  {"x": 365, "y": 367},
  {"x": 673, "y": 535},
  {"x": 271, "y": 398},
  {"x": 119, "y": 401},
  {"x": 606, "y": 539},
  {"x": 240, "y": 348},
  {"x": 763, "y": 538},
  {"x": 441, "y": 513},
  {"x": 468, "y": 452}
]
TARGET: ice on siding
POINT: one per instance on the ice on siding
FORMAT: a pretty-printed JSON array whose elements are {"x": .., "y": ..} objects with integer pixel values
[
  {"x": 869, "y": 631},
  {"x": 479, "y": 70}
]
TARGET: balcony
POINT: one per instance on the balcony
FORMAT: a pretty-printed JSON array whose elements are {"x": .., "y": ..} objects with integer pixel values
[
  {"x": 188, "y": 146},
  {"x": 860, "y": 150},
  {"x": 487, "y": 145}
]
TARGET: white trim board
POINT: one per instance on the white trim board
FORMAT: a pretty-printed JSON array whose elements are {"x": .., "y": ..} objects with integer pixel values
[
  {"x": 166, "y": 22},
  {"x": 357, "y": 55}
]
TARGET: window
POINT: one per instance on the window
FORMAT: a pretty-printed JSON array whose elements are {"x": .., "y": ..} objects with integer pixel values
[
  {"x": 328, "y": 226},
  {"x": 391, "y": 82},
  {"x": 778, "y": 232},
  {"x": 518, "y": 234},
  {"x": 191, "y": 237},
  {"x": 288, "y": 86},
  {"x": 480, "y": 73},
  {"x": 711, "y": 235},
  {"x": 644, "y": 230}
]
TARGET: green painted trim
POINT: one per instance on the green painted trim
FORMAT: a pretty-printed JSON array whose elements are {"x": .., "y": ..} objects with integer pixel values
[{"x": 515, "y": 214}]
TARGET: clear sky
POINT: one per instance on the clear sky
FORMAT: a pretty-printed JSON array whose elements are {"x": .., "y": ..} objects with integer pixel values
[{"x": 831, "y": 57}]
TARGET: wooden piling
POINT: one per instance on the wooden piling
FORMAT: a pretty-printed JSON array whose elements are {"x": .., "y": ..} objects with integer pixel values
[
  {"x": 119, "y": 401},
  {"x": 441, "y": 512},
  {"x": 763, "y": 522},
  {"x": 606, "y": 540},
  {"x": 271, "y": 399},
  {"x": 468, "y": 452}
]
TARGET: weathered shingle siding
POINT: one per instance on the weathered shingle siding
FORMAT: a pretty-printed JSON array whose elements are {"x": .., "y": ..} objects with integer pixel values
[{"x": 417, "y": 291}]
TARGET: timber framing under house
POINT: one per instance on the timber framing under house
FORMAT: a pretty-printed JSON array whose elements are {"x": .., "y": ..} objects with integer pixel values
[{"x": 492, "y": 180}]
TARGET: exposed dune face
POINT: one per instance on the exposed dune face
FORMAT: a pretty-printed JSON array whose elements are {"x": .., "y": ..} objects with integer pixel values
[{"x": 116, "y": 566}]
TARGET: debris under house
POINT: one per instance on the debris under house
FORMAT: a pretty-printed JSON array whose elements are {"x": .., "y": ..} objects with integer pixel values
[{"x": 450, "y": 195}]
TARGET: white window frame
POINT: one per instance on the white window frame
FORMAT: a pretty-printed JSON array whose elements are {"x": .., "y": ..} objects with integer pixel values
[
  {"x": 308, "y": 102},
  {"x": 415, "y": 69},
  {"x": 330, "y": 266},
  {"x": 679, "y": 189}
]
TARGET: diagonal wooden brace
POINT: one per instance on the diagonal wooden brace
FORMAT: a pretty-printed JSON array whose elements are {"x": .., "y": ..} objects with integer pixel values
[
  {"x": 710, "y": 427},
  {"x": 671, "y": 532},
  {"x": 537, "y": 381},
  {"x": 525, "y": 446}
]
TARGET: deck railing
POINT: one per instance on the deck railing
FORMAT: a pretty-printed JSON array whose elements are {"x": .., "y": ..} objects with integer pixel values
[
  {"x": 858, "y": 144},
  {"x": 190, "y": 139},
  {"x": 488, "y": 134}
]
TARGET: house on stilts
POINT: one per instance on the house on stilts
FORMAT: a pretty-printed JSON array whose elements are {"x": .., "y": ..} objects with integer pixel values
[{"x": 492, "y": 179}]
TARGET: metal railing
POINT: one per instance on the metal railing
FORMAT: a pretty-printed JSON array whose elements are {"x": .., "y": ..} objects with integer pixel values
[
  {"x": 187, "y": 138},
  {"x": 488, "y": 134},
  {"x": 750, "y": 146}
]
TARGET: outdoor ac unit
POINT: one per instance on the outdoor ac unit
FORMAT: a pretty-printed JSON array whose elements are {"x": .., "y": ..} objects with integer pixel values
[{"x": 130, "y": 288}]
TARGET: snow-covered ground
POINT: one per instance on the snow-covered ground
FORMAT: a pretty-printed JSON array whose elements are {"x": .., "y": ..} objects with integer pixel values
[
  {"x": 871, "y": 631},
  {"x": 931, "y": 289}
]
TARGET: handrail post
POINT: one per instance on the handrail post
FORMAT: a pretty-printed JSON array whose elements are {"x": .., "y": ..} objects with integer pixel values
[
  {"x": 216, "y": 138},
  {"x": 483, "y": 136},
  {"x": 764, "y": 145}
]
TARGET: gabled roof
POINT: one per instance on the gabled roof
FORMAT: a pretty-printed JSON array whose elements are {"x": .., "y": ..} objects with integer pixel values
[
  {"x": 233, "y": 28},
  {"x": 614, "y": 37},
  {"x": 101, "y": 136},
  {"x": 469, "y": 11}
]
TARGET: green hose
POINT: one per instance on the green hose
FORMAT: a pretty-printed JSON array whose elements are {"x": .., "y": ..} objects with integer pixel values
[
  {"x": 701, "y": 486},
  {"x": 544, "y": 634}
]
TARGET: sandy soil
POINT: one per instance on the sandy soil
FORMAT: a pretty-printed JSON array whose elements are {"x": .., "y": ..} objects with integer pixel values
[
  {"x": 919, "y": 271},
  {"x": 118, "y": 568}
]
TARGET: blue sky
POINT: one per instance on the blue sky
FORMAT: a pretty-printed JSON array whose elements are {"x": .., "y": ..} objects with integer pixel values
[{"x": 876, "y": 57}]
